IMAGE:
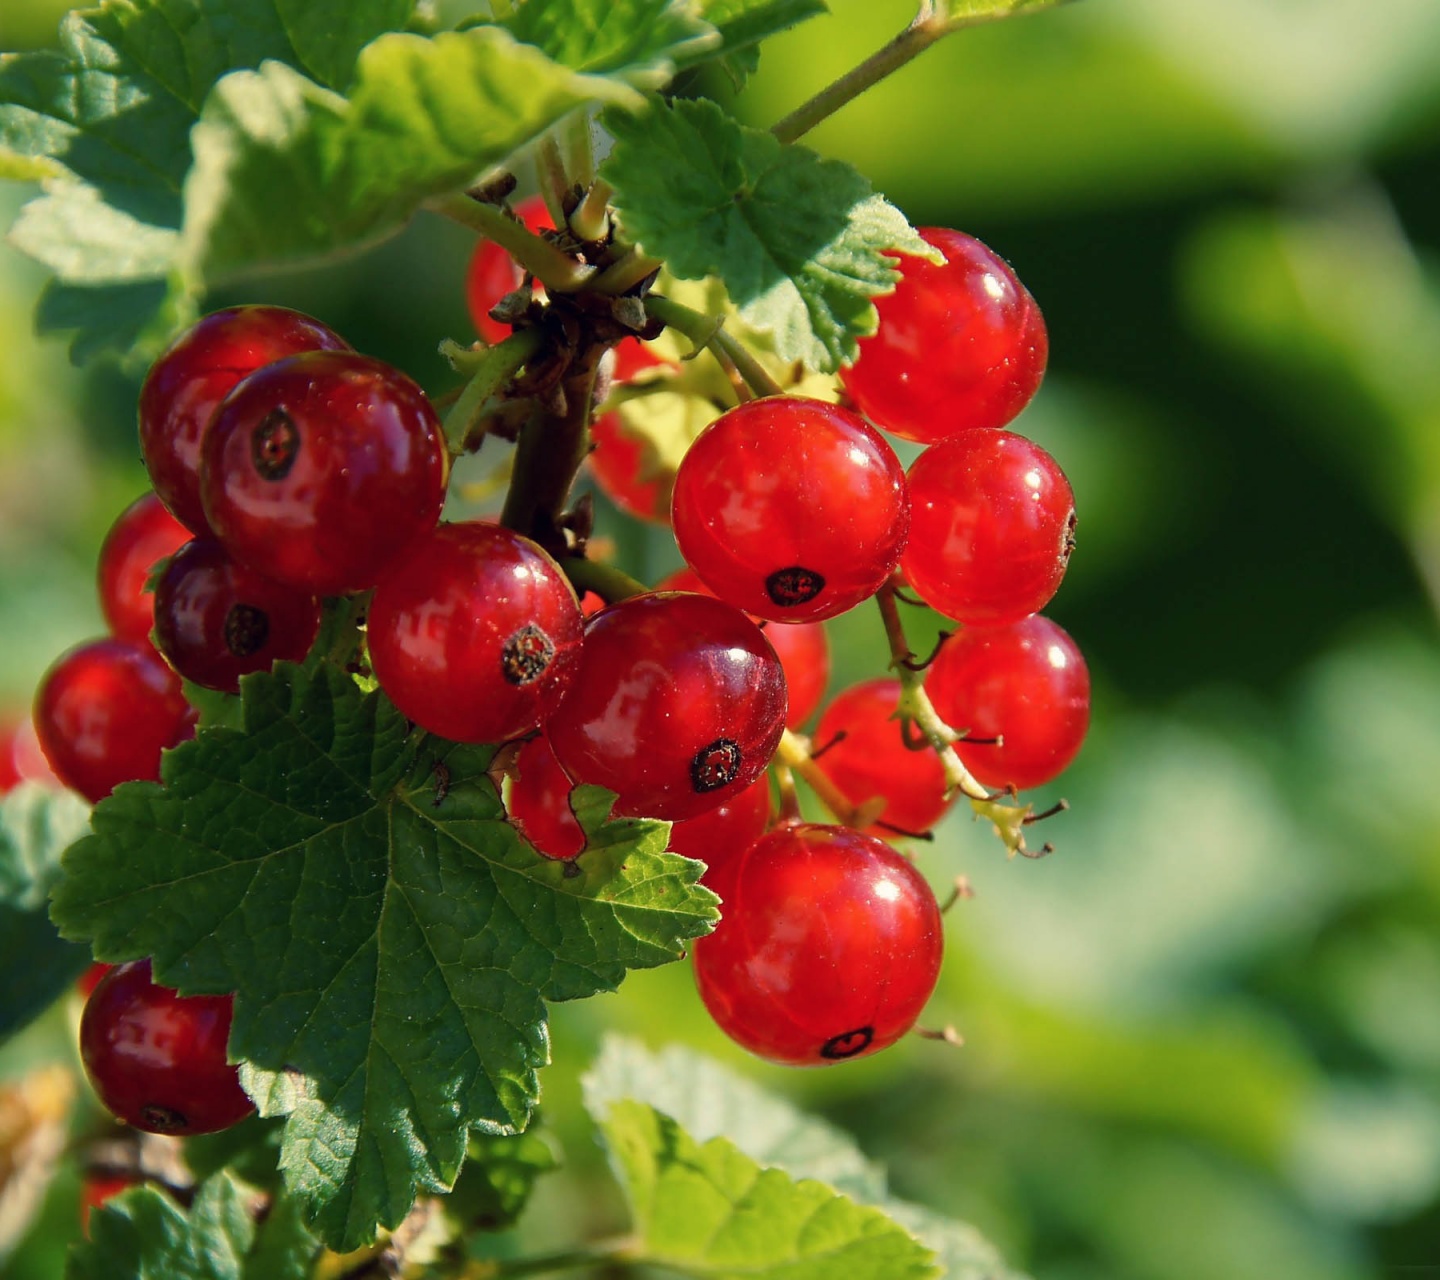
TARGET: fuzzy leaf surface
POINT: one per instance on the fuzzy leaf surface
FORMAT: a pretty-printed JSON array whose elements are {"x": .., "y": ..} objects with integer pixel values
[
  {"x": 424, "y": 116},
  {"x": 708, "y": 1209},
  {"x": 36, "y": 825},
  {"x": 391, "y": 947},
  {"x": 144, "y": 1235},
  {"x": 799, "y": 241},
  {"x": 638, "y": 41}
]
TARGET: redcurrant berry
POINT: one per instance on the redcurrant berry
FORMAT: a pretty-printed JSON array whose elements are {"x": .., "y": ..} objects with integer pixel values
[
  {"x": 539, "y": 802},
  {"x": 863, "y": 753},
  {"x": 802, "y": 648},
  {"x": 828, "y": 946},
  {"x": 1025, "y": 684},
  {"x": 727, "y": 831},
  {"x": 493, "y": 273},
  {"x": 319, "y": 470},
  {"x": 187, "y": 383},
  {"x": 105, "y": 711},
  {"x": 992, "y": 526},
  {"x": 157, "y": 1059},
  {"x": 90, "y": 979},
  {"x": 21, "y": 759},
  {"x": 475, "y": 633},
  {"x": 677, "y": 705},
  {"x": 98, "y": 1189},
  {"x": 960, "y": 344},
  {"x": 790, "y": 508},
  {"x": 144, "y": 534},
  {"x": 216, "y": 620},
  {"x": 618, "y": 459}
]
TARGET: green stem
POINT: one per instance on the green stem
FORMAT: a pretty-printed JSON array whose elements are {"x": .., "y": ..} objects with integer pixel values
[
  {"x": 626, "y": 272},
  {"x": 591, "y": 219},
  {"x": 580, "y": 148},
  {"x": 495, "y": 369},
  {"x": 605, "y": 580},
  {"x": 559, "y": 272},
  {"x": 708, "y": 331},
  {"x": 553, "y": 182}
]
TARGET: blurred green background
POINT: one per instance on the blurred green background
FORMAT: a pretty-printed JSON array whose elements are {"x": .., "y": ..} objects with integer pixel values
[{"x": 1203, "y": 1039}]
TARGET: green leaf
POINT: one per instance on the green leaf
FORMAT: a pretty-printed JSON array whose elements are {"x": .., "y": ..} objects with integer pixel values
[
  {"x": 744, "y": 23},
  {"x": 134, "y": 320},
  {"x": 83, "y": 239},
  {"x": 36, "y": 825},
  {"x": 955, "y": 14},
  {"x": 425, "y": 116},
  {"x": 143, "y": 1235},
  {"x": 390, "y": 942},
  {"x": 963, "y": 1253},
  {"x": 710, "y": 1101},
  {"x": 708, "y": 1209},
  {"x": 799, "y": 241},
  {"x": 638, "y": 41},
  {"x": 500, "y": 1172}
]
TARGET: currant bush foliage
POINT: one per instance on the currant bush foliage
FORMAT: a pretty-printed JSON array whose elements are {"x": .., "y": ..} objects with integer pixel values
[{"x": 389, "y": 936}]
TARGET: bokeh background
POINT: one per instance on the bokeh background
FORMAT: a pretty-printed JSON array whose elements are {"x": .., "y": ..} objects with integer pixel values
[{"x": 1203, "y": 1038}]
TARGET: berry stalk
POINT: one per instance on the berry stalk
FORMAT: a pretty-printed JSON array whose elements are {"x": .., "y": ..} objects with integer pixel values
[
  {"x": 465, "y": 422},
  {"x": 556, "y": 270},
  {"x": 709, "y": 331}
]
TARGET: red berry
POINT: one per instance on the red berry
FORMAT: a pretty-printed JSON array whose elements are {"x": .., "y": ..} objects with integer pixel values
[
  {"x": 97, "y": 1189},
  {"x": 320, "y": 470},
  {"x": 144, "y": 534},
  {"x": 618, "y": 459},
  {"x": 493, "y": 272},
  {"x": 475, "y": 633},
  {"x": 802, "y": 648},
  {"x": 539, "y": 802},
  {"x": 677, "y": 705},
  {"x": 187, "y": 383},
  {"x": 90, "y": 979},
  {"x": 790, "y": 508},
  {"x": 105, "y": 711},
  {"x": 871, "y": 759},
  {"x": 725, "y": 832},
  {"x": 991, "y": 527},
  {"x": 960, "y": 344},
  {"x": 21, "y": 759},
  {"x": 1025, "y": 683},
  {"x": 216, "y": 620},
  {"x": 828, "y": 946},
  {"x": 157, "y": 1059}
]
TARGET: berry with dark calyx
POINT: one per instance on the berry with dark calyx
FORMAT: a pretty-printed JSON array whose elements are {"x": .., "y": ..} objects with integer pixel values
[
  {"x": 677, "y": 705},
  {"x": 105, "y": 711},
  {"x": 790, "y": 508},
  {"x": 960, "y": 344},
  {"x": 493, "y": 273},
  {"x": 992, "y": 525},
  {"x": 185, "y": 386},
  {"x": 862, "y": 752},
  {"x": 1026, "y": 684},
  {"x": 727, "y": 831},
  {"x": 538, "y": 802},
  {"x": 802, "y": 647},
  {"x": 475, "y": 633},
  {"x": 157, "y": 1059},
  {"x": 216, "y": 620},
  {"x": 829, "y": 944},
  {"x": 144, "y": 534},
  {"x": 318, "y": 471}
]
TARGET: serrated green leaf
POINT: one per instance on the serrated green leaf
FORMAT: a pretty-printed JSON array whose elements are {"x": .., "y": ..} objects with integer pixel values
[
  {"x": 800, "y": 242},
  {"x": 390, "y": 942},
  {"x": 36, "y": 825},
  {"x": 964, "y": 13},
  {"x": 425, "y": 116},
  {"x": 328, "y": 38},
  {"x": 963, "y": 1253},
  {"x": 638, "y": 41},
  {"x": 143, "y": 1235},
  {"x": 709, "y": 1101},
  {"x": 124, "y": 320},
  {"x": 744, "y": 23},
  {"x": 81, "y": 238},
  {"x": 250, "y": 1150},
  {"x": 499, "y": 1173},
  {"x": 708, "y": 1209}
]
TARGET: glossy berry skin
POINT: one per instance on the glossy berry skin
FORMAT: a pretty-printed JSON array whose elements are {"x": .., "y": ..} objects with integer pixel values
[
  {"x": 493, "y": 273},
  {"x": 959, "y": 345},
  {"x": 157, "y": 1059},
  {"x": 538, "y": 802},
  {"x": 871, "y": 759},
  {"x": 90, "y": 979},
  {"x": 802, "y": 647},
  {"x": 617, "y": 458},
  {"x": 475, "y": 634},
  {"x": 829, "y": 944},
  {"x": 105, "y": 711},
  {"x": 677, "y": 705},
  {"x": 144, "y": 534},
  {"x": 991, "y": 527},
  {"x": 790, "y": 508},
  {"x": 185, "y": 386},
  {"x": 319, "y": 470},
  {"x": 725, "y": 833},
  {"x": 1027, "y": 683},
  {"x": 216, "y": 620}
]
